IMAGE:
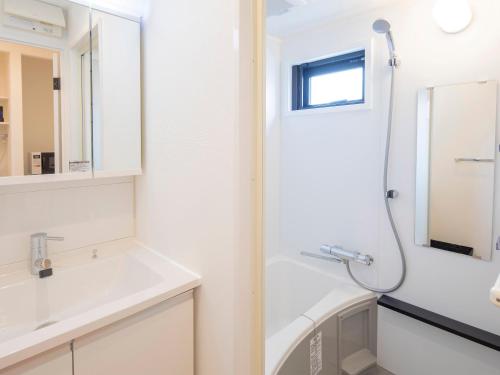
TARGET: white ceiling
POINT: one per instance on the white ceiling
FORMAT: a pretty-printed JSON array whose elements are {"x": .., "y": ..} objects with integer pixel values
[{"x": 314, "y": 11}]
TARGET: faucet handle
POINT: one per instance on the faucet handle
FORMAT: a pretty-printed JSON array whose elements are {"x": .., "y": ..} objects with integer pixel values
[
  {"x": 50, "y": 238},
  {"x": 46, "y": 237},
  {"x": 40, "y": 263},
  {"x": 43, "y": 264}
]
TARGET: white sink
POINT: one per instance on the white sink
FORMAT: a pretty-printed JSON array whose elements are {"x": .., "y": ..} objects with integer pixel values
[{"x": 85, "y": 293}]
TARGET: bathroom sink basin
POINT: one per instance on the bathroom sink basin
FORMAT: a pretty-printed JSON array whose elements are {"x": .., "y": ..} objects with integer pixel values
[
  {"x": 72, "y": 290},
  {"x": 89, "y": 289}
]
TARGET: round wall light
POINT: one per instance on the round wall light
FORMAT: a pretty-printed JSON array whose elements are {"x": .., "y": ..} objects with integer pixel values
[{"x": 452, "y": 16}]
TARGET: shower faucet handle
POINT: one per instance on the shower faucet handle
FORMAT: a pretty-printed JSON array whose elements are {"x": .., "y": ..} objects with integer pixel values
[{"x": 347, "y": 255}]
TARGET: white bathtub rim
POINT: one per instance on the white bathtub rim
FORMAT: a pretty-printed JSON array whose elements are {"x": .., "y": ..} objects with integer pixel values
[
  {"x": 280, "y": 345},
  {"x": 319, "y": 313}
]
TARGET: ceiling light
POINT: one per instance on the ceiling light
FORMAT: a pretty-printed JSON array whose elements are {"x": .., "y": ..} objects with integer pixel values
[{"x": 452, "y": 16}]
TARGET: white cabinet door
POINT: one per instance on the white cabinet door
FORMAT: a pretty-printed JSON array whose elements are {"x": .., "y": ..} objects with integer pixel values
[
  {"x": 158, "y": 341},
  {"x": 54, "y": 362}
]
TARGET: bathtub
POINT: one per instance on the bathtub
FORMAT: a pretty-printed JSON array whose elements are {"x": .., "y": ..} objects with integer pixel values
[{"x": 300, "y": 298}]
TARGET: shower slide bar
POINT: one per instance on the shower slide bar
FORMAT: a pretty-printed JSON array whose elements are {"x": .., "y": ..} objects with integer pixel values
[{"x": 340, "y": 255}]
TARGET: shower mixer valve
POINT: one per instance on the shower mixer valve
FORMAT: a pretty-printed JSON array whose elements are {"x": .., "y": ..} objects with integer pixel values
[
  {"x": 347, "y": 255},
  {"x": 338, "y": 254}
]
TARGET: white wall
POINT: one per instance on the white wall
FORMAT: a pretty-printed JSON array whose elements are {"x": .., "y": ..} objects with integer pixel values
[
  {"x": 194, "y": 198},
  {"x": 332, "y": 175},
  {"x": 84, "y": 212}
]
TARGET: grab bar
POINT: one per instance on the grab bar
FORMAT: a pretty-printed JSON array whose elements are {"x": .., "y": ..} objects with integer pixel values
[
  {"x": 322, "y": 257},
  {"x": 476, "y": 160}
]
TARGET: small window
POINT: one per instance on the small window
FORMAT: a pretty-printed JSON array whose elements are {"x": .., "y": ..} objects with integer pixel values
[{"x": 331, "y": 82}]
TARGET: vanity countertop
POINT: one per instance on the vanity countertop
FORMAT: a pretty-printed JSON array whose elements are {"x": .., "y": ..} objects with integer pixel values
[{"x": 91, "y": 288}]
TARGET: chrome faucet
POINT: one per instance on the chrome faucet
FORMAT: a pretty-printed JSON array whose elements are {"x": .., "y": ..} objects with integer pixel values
[
  {"x": 347, "y": 255},
  {"x": 41, "y": 265},
  {"x": 340, "y": 255}
]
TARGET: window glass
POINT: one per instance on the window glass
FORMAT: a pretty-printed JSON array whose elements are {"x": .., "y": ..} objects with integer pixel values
[
  {"x": 343, "y": 86},
  {"x": 335, "y": 81}
]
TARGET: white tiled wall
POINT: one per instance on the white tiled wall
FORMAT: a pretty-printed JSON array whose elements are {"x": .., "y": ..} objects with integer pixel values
[{"x": 85, "y": 213}]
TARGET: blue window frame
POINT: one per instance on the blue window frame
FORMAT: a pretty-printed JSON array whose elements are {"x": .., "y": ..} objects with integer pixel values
[{"x": 331, "y": 82}]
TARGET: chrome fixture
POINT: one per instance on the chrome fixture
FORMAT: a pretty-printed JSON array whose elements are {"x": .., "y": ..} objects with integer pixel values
[
  {"x": 328, "y": 258},
  {"x": 41, "y": 265},
  {"x": 338, "y": 254},
  {"x": 382, "y": 26},
  {"x": 477, "y": 160},
  {"x": 347, "y": 255}
]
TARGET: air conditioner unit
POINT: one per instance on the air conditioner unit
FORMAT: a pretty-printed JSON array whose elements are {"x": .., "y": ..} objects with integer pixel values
[{"x": 34, "y": 15}]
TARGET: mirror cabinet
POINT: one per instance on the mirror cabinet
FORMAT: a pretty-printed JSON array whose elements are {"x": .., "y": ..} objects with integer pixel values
[{"x": 70, "y": 92}]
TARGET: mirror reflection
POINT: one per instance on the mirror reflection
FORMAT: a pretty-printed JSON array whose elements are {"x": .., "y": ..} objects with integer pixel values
[
  {"x": 456, "y": 168},
  {"x": 45, "y": 124}
]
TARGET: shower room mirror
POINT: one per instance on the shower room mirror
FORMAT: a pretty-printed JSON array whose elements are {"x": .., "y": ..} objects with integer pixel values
[
  {"x": 456, "y": 159},
  {"x": 69, "y": 92}
]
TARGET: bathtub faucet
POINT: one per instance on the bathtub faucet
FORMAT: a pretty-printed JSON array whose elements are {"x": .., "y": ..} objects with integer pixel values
[{"x": 347, "y": 255}]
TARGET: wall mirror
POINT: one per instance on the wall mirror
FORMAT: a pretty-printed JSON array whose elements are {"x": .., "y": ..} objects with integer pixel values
[
  {"x": 44, "y": 88},
  {"x": 70, "y": 104},
  {"x": 456, "y": 158}
]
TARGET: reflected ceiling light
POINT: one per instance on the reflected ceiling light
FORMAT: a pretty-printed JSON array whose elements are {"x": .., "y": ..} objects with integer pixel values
[{"x": 452, "y": 16}]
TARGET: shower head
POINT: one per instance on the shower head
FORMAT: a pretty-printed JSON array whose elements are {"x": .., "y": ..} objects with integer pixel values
[{"x": 382, "y": 26}]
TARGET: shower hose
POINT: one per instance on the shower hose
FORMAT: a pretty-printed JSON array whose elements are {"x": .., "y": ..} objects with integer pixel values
[{"x": 386, "y": 200}]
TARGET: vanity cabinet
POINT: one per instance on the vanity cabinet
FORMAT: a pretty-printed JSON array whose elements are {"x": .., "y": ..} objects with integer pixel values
[
  {"x": 157, "y": 341},
  {"x": 57, "y": 361}
]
